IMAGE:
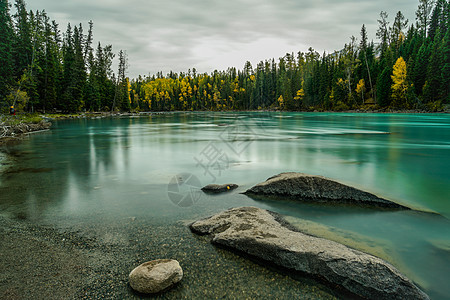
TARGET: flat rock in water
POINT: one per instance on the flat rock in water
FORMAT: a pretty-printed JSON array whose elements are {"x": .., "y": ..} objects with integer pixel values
[
  {"x": 264, "y": 235},
  {"x": 155, "y": 276},
  {"x": 219, "y": 188},
  {"x": 318, "y": 189}
]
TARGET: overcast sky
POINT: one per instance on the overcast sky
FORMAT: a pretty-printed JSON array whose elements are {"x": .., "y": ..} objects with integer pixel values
[{"x": 164, "y": 35}]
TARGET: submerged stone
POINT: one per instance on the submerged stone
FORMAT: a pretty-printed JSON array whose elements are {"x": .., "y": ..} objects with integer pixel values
[
  {"x": 264, "y": 235},
  {"x": 155, "y": 276},
  {"x": 304, "y": 187},
  {"x": 219, "y": 188}
]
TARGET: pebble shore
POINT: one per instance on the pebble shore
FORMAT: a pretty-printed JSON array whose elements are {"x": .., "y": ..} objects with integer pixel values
[{"x": 93, "y": 261}]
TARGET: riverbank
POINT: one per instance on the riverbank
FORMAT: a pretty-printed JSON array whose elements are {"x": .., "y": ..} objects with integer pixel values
[{"x": 13, "y": 128}]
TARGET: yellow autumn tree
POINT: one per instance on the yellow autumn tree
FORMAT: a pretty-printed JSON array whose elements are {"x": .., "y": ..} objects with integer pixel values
[
  {"x": 300, "y": 95},
  {"x": 400, "y": 84},
  {"x": 361, "y": 89},
  {"x": 280, "y": 102},
  {"x": 129, "y": 88}
]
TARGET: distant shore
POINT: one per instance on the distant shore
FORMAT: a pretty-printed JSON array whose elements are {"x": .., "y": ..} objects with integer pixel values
[{"x": 13, "y": 128}]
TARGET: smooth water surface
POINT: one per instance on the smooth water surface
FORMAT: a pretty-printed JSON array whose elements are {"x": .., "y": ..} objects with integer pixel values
[{"x": 151, "y": 168}]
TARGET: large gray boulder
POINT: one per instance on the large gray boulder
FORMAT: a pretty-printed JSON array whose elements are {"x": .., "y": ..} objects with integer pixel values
[
  {"x": 306, "y": 187},
  {"x": 266, "y": 236},
  {"x": 155, "y": 276}
]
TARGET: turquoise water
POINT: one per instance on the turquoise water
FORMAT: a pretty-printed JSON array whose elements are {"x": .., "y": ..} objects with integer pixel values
[{"x": 150, "y": 168}]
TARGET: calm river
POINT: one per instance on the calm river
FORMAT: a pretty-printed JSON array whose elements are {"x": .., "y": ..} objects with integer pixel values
[{"x": 125, "y": 180}]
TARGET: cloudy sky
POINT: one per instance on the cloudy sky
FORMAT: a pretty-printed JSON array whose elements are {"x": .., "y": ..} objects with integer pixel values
[{"x": 164, "y": 35}]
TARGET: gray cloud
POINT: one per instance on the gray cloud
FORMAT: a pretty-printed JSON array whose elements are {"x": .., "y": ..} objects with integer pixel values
[{"x": 161, "y": 35}]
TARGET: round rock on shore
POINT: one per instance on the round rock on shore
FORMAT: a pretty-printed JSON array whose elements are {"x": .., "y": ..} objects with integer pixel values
[{"x": 155, "y": 276}]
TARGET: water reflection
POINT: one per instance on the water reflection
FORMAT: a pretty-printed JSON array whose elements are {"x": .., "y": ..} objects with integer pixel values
[{"x": 400, "y": 157}]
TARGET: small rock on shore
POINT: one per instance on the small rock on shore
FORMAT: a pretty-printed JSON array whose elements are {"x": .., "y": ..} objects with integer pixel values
[{"x": 155, "y": 276}]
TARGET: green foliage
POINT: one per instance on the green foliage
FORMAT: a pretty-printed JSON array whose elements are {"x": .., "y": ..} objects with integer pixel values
[
  {"x": 123, "y": 95},
  {"x": 51, "y": 72},
  {"x": 384, "y": 83},
  {"x": 21, "y": 118},
  {"x": 434, "y": 84},
  {"x": 22, "y": 44},
  {"x": 420, "y": 68},
  {"x": 435, "y": 106},
  {"x": 19, "y": 99},
  {"x": 6, "y": 55},
  {"x": 445, "y": 69},
  {"x": 340, "y": 106}
]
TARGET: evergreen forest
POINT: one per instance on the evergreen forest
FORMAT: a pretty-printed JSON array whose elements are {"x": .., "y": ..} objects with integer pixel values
[{"x": 406, "y": 68}]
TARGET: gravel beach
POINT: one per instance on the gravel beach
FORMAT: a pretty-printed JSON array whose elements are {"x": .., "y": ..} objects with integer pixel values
[
  {"x": 35, "y": 265},
  {"x": 93, "y": 262}
]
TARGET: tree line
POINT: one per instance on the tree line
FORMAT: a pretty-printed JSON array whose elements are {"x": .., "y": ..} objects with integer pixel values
[
  {"x": 407, "y": 68},
  {"x": 46, "y": 70}
]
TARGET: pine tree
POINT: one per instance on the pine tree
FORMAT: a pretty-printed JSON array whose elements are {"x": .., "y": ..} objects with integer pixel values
[
  {"x": 420, "y": 68},
  {"x": 366, "y": 57},
  {"x": 104, "y": 75},
  {"x": 433, "y": 85},
  {"x": 363, "y": 43},
  {"x": 446, "y": 17},
  {"x": 68, "y": 66},
  {"x": 351, "y": 63},
  {"x": 383, "y": 31},
  {"x": 435, "y": 20},
  {"x": 384, "y": 83},
  {"x": 122, "y": 83},
  {"x": 38, "y": 68},
  {"x": 91, "y": 92},
  {"x": 397, "y": 30},
  {"x": 6, "y": 57},
  {"x": 445, "y": 71},
  {"x": 22, "y": 48},
  {"x": 51, "y": 67},
  {"x": 423, "y": 15},
  {"x": 80, "y": 75}
]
